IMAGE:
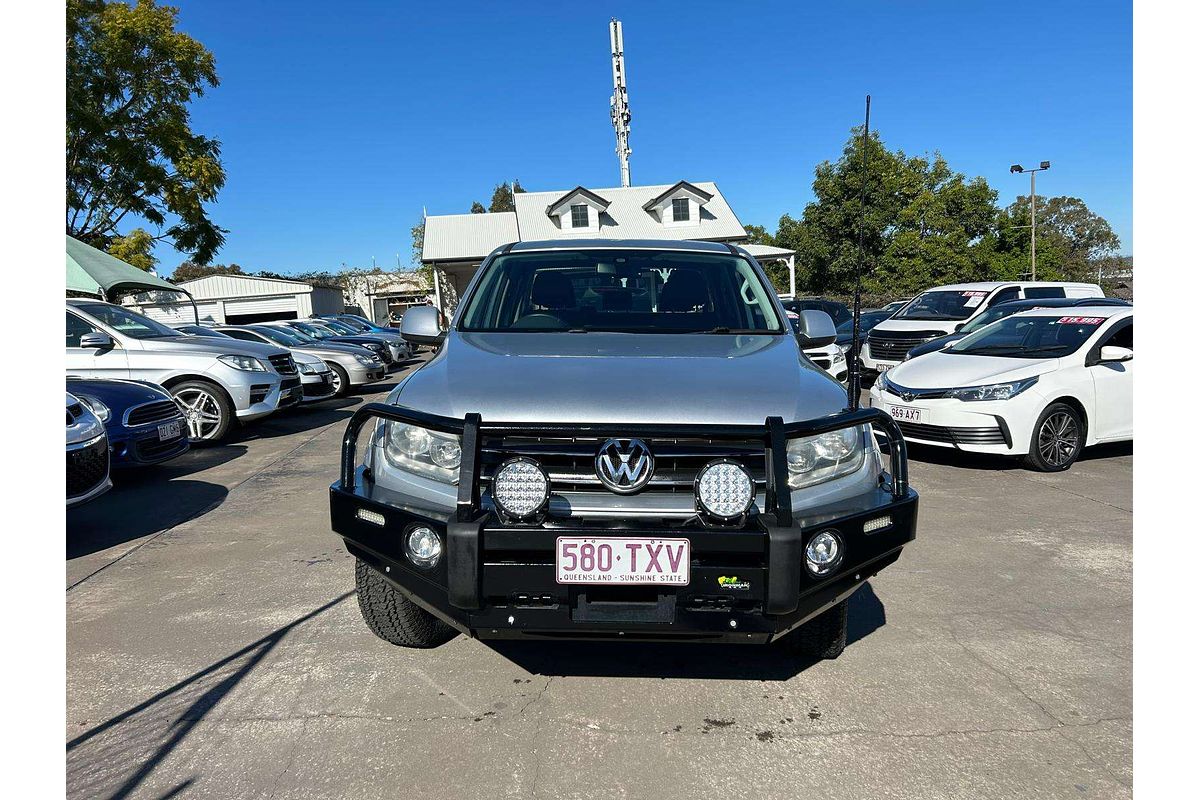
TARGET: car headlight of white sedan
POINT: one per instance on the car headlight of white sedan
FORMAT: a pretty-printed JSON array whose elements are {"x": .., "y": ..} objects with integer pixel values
[
  {"x": 431, "y": 454},
  {"x": 816, "y": 459},
  {"x": 992, "y": 391}
]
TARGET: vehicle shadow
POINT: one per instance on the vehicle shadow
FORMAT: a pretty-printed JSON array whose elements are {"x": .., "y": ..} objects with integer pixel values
[
  {"x": 683, "y": 661},
  {"x": 112, "y": 758},
  {"x": 945, "y": 457},
  {"x": 297, "y": 420}
]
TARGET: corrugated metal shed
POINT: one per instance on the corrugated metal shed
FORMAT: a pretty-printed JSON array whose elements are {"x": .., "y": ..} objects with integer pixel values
[
  {"x": 465, "y": 237},
  {"x": 453, "y": 237},
  {"x": 223, "y": 287}
]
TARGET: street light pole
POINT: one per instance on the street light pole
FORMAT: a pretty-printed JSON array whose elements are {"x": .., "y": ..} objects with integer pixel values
[{"x": 1017, "y": 168}]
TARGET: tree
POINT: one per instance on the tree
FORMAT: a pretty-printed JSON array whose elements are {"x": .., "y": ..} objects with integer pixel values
[
  {"x": 502, "y": 196},
  {"x": 135, "y": 248},
  {"x": 1073, "y": 242},
  {"x": 130, "y": 149},
  {"x": 190, "y": 270},
  {"x": 923, "y": 223},
  {"x": 477, "y": 208},
  {"x": 757, "y": 234}
]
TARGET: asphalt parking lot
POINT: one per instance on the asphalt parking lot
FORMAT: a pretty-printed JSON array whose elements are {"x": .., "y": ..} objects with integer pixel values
[{"x": 215, "y": 649}]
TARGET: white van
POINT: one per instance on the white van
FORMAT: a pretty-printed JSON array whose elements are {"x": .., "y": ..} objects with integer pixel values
[{"x": 944, "y": 309}]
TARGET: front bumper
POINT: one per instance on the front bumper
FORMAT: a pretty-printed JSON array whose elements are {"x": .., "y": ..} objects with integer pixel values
[
  {"x": 316, "y": 387},
  {"x": 141, "y": 446},
  {"x": 998, "y": 427},
  {"x": 497, "y": 580}
]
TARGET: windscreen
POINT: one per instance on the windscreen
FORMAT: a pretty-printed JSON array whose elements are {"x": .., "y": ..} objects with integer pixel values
[
  {"x": 943, "y": 305},
  {"x": 1042, "y": 336},
  {"x": 285, "y": 338},
  {"x": 315, "y": 331},
  {"x": 628, "y": 291},
  {"x": 130, "y": 324}
]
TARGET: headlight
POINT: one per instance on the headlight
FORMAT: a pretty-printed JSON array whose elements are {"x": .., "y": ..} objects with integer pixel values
[
  {"x": 837, "y": 356},
  {"x": 994, "y": 391},
  {"x": 816, "y": 459},
  {"x": 244, "y": 363},
  {"x": 98, "y": 408},
  {"x": 423, "y": 452},
  {"x": 308, "y": 369},
  {"x": 366, "y": 361}
]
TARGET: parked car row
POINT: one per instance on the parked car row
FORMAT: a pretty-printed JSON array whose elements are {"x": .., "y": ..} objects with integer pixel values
[
  {"x": 140, "y": 392},
  {"x": 1038, "y": 370}
]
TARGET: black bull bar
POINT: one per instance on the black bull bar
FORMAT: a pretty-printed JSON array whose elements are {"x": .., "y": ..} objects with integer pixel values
[{"x": 455, "y": 588}]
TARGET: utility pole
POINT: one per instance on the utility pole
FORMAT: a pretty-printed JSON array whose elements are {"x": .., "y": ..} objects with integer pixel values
[
  {"x": 619, "y": 103},
  {"x": 1017, "y": 168}
]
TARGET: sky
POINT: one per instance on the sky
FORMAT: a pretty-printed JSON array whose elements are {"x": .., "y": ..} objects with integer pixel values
[{"x": 340, "y": 122}]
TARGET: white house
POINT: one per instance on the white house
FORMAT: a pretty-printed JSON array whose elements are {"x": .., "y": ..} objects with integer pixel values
[
  {"x": 456, "y": 244},
  {"x": 237, "y": 299}
]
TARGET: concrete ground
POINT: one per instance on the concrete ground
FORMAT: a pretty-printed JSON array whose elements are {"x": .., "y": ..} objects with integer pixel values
[{"x": 214, "y": 649}]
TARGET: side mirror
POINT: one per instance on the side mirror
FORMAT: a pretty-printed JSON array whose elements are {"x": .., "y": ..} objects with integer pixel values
[
  {"x": 96, "y": 341},
  {"x": 1113, "y": 353},
  {"x": 420, "y": 326},
  {"x": 815, "y": 329},
  {"x": 959, "y": 327}
]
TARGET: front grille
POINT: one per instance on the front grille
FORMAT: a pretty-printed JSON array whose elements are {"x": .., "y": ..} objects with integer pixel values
[
  {"x": 288, "y": 383},
  {"x": 149, "y": 413},
  {"x": 87, "y": 467},
  {"x": 894, "y": 346},
  {"x": 318, "y": 389},
  {"x": 284, "y": 364},
  {"x": 571, "y": 462},
  {"x": 150, "y": 449},
  {"x": 937, "y": 433},
  {"x": 820, "y": 361}
]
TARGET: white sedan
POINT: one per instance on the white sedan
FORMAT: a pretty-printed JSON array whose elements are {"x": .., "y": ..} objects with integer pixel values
[{"x": 1042, "y": 384}]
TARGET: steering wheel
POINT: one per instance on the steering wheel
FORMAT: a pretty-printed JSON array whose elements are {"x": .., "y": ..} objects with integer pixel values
[{"x": 540, "y": 319}]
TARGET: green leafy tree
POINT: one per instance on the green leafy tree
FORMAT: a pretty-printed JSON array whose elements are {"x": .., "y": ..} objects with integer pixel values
[
  {"x": 1073, "y": 242},
  {"x": 136, "y": 248},
  {"x": 130, "y": 148},
  {"x": 502, "y": 196},
  {"x": 190, "y": 270},
  {"x": 477, "y": 208},
  {"x": 757, "y": 234}
]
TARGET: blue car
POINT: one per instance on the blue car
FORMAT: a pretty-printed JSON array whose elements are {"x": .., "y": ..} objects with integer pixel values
[{"x": 145, "y": 425}]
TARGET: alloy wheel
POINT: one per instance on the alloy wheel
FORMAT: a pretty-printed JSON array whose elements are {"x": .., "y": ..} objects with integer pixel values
[
  {"x": 337, "y": 382},
  {"x": 202, "y": 412},
  {"x": 1058, "y": 439}
]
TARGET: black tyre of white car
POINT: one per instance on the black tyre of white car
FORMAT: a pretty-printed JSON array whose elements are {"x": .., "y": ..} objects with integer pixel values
[
  {"x": 207, "y": 410},
  {"x": 341, "y": 380},
  {"x": 1057, "y": 439},
  {"x": 823, "y": 636},
  {"x": 393, "y": 617}
]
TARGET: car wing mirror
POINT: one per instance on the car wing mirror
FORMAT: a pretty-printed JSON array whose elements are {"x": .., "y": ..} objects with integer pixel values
[
  {"x": 815, "y": 329},
  {"x": 96, "y": 341},
  {"x": 420, "y": 326},
  {"x": 1112, "y": 353}
]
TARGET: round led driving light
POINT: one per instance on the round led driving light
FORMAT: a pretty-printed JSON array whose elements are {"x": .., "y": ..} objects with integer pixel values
[
  {"x": 423, "y": 546},
  {"x": 824, "y": 553},
  {"x": 520, "y": 487},
  {"x": 724, "y": 489}
]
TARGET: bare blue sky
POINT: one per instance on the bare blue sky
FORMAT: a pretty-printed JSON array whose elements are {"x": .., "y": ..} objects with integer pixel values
[{"x": 340, "y": 121}]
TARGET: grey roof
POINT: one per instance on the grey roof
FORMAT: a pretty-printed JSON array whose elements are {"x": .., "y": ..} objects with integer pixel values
[
  {"x": 767, "y": 251},
  {"x": 629, "y": 244},
  {"x": 466, "y": 237},
  {"x": 590, "y": 195},
  {"x": 455, "y": 237},
  {"x": 653, "y": 201}
]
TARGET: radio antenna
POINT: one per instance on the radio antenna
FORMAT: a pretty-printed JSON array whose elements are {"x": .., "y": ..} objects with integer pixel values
[{"x": 854, "y": 382}]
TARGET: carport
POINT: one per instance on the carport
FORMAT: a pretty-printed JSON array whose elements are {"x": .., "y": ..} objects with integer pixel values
[{"x": 94, "y": 272}]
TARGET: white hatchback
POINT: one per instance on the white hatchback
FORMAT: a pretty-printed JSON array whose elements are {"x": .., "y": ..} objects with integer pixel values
[{"x": 1042, "y": 384}]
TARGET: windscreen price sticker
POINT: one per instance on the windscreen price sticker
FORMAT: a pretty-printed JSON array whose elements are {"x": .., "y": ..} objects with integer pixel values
[
  {"x": 973, "y": 298},
  {"x": 1080, "y": 320}
]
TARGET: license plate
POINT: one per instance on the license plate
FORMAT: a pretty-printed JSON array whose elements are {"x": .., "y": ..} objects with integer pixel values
[
  {"x": 906, "y": 413},
  {"x": 580, "y": 559},
  {"x": 170, "y": 430},
  {"x": 882, "y": 368}
]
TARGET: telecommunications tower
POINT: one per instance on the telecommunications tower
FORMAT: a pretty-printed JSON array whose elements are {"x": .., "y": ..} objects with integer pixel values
[{"x": 620, "y": 98}]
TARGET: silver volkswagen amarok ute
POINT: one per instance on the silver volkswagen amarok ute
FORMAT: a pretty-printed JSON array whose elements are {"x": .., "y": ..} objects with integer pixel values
[{"x": 619, "y": 440}]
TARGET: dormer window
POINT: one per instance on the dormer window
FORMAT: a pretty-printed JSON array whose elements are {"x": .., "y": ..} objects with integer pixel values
[
  {"x": 579, "y": 216},
  {"x": 578, "y": 211},
  {"x": 680, "y": 209}
]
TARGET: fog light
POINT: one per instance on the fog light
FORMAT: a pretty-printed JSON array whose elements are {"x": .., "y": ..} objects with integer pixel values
[
  {"x": 373, "y": 517},
  {"x": 824, "y": 553},
  {"x": 423, "y": 547},
  {"x": 724, "y": 489},
  {"x": 877, "y": 524},
  {"x": 520, "y": 488}
]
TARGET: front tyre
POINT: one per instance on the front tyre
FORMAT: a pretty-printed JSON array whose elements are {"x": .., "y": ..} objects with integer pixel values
[
  {"x": 206, "y": 409},
  {"x": 341, "y": 380},
  {"x": 824, "y": 636},
  {"x": 1057, "y": 439},
  {"x": 393, "y": 617}
]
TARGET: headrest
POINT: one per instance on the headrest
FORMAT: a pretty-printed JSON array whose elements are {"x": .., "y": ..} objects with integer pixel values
[
  {"x": 685, "y": 290},
  {"x": 553, "y": 290}
]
